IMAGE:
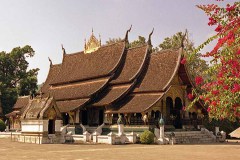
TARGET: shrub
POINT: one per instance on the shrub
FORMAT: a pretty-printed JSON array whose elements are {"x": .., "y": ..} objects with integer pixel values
[
  {"x": 2, "y": 126},
  {"x": 147, "y": 137}
]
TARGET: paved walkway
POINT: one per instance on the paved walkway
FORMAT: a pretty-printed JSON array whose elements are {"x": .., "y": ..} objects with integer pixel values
[{"x": 22, "y": 151}]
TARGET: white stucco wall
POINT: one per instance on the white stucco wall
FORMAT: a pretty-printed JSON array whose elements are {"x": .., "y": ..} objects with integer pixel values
[
  {"x": 34, "y": 125},
  {"x": 58, "y": 125}
]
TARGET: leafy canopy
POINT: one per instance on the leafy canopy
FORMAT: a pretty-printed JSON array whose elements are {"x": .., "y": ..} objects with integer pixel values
[{"x": 15, "y": 78}]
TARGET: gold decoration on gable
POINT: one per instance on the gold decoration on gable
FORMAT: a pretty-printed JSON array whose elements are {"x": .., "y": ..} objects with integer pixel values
[
  {"x": 92, "y": 45},
  {"x": 51, "y": 114}
]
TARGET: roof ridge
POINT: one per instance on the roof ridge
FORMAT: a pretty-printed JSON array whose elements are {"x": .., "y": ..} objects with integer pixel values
[{"x": 103, "y": 46}]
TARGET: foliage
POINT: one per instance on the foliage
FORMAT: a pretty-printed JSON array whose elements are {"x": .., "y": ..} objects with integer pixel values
[
  {"x": 222, "y": 88},
  {"x": 2, "y": 126},
  {"x": 147, "y": 137},
  {"x": 15, "y": 79},
  {"x": 141, "y": 40},
  {"x": 113, "y": 40}
]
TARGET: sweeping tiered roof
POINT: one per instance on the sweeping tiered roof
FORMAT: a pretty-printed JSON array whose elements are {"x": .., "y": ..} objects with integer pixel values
[
  {"x": 19, "y": 106},
  {"x": 80, "y": 67},
  {"x": 82, "y": 76},
  {"x": 122, "y": 79},
  {"x": 21, "y": 102},
  {"x": 126, "y": 77},
  {"x": 162, "y": 68}
]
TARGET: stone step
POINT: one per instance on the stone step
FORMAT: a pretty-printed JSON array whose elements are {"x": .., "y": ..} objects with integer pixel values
[
  {"x": 91, "y": 129},
  {"x": 191, "y": 137}
]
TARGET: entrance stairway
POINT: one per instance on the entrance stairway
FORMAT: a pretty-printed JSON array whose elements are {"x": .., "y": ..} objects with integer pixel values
[
  {"x": 192, "y": 137},
  {"x": 91, "y": 129}
]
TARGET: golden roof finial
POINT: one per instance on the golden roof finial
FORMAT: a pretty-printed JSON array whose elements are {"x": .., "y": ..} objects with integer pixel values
[{"x": 92, "y": 44}]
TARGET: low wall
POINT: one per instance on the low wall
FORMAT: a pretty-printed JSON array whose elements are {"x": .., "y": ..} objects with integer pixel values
[
  {"x": 9, "y": 134},
  {"x": 76, "y": 138},
  {"x": 112, "y": 138}
]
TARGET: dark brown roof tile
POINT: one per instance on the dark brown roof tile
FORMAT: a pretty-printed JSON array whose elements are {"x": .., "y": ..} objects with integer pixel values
[
  {"x": 113, "y": 94},
  {"x": 21, "y": 102},
  {"x": 77, "y": 90},
  {"x": 80, "y": 66},
  {"x": 161, "y": 70},
  {"x": 52, "y": 73},
  {"x": 133, "y": 64},
  {"x": 66, "y": 106},
  {"x": 139, "y": 103}
]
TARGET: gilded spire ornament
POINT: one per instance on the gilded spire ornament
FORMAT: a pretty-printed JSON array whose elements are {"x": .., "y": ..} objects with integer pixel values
[{"x": 92, "y": 44}]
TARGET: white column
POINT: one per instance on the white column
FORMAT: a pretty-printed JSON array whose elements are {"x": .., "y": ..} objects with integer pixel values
[
  {"x": 161, "y": 134},
  {"x": 77, "y": 116},
  {"x": 120, "y": 129}
]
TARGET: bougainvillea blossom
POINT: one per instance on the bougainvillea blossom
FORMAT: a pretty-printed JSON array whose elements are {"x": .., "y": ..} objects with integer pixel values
[{"x": 221, "y": 90}]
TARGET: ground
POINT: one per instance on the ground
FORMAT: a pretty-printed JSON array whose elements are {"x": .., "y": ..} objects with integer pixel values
[{"x": 16, "y": 150}]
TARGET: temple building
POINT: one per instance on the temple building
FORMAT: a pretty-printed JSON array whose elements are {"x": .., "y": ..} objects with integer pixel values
[{"x": 101, "y": 82}]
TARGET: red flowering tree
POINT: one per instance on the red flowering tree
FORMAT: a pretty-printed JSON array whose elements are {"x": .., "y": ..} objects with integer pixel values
[{"x": 222, "y": 87}]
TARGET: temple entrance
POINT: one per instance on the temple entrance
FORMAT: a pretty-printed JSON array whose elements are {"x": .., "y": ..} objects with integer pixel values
[
  {"x": 51, "y": 126},
  {"x": 174, "y": 112},
  {"x": 177, "y": 113},
  {"x": 84, "y": 117},
  {"x": 101, "y": 116},
  {"x": 170, "y": 111},
  {"x": 92, "y": 116},
  {"x": 65, "y": 117}
]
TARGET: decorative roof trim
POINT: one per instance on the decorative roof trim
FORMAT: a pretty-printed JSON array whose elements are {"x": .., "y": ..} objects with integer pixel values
[
  {"x": 63, "y": 49},
  {"x": 50, "y": 61},
  {"x": 149, "y": 38},
  {"x": 126, "y": 35}
]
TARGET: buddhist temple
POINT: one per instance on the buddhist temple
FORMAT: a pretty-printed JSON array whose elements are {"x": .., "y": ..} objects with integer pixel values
[{"x": 96, "y": 85}]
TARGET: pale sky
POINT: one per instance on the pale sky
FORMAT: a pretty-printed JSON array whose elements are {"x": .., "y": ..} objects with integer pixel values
[{"x": 46, "y": 24}]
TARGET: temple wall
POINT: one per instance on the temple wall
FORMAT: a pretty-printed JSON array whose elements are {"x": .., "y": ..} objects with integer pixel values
[
  {"x": 34, "y": 125},
  {"x": 58, "y": 125}
]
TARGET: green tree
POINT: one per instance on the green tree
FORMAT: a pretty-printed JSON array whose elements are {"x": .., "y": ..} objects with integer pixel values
[
  {"x": 141, "y": 40},
  {"x": 113, "y": 40},
  {"x": 15, "y": 79}
]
